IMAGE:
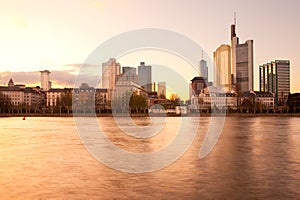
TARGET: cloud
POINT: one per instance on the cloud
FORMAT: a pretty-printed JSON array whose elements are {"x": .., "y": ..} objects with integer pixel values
[
  {"x": 79, "y": 65},
  {"x": 59, "y": 78}
]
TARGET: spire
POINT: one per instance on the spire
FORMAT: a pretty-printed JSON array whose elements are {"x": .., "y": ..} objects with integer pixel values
[
  {"x": 234, "y": 18},
  {"x": 10, "y": 83},
  {"x": 233, "y": 33}
]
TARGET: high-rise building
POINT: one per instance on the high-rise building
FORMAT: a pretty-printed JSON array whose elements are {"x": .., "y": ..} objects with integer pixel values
[
  {"x": 234, "y": 42},
  {"x": 129, "y": 74},
  {"x": 110, "y": 71},
  {"x": 241, "y": 62},
  {"x": 203, "y": 69},
  {"x": 145, "y": 76},
  {"x": 244, "y": 66},
  {"x": 274, "y": 77},
  {"x": 222, "y": 60},
  {"x": 45, "y": 80},
  {"x": 161, "y": 89}
]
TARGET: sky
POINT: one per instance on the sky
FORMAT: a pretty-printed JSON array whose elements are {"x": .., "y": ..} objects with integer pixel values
[{"x": 60, "y": 35}]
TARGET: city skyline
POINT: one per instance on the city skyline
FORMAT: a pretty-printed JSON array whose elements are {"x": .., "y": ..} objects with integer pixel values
[{"x": 41, "y": 41}]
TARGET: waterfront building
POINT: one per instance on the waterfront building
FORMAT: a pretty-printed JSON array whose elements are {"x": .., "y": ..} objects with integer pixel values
[
  {"x": 54, "y": 95},
  {"x": 145, "y": 76},
  {"x": 45, "y": 80},
  {"x": 274, "y": 77},
  {"x": 257, "y": 101},
  {"x": 222, "y": 60},
  {"x": 84, "y": 99},
  {"x": 101, "y": 103},
  {"x": 198, "y": 85},
  {"x": 220, "y": 101},
  {"x": 123, "y": 91},
  {"x": 23, "y": 98}
]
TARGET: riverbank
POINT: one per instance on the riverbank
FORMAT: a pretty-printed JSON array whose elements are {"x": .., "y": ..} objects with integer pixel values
[{"x": 156, "y": 115}]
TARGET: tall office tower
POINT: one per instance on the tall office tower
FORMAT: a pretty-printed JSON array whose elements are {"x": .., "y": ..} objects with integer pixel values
[
  {"x": 110, "y": 72},
  {"x": 241, "y": 62},
  {"x": 161, "y": 89},
  {"x": 45, "y": 80},
  {"x": 129, "y": 74},
  {"x": 244, "y": 66},
  {"x": 222, "y": 60},
  {"x": 274, "y": 77},
  {"x": 203, "y": 69},
  {"x": 234, "y": 42},
  {"x": 145, "y": 77}
]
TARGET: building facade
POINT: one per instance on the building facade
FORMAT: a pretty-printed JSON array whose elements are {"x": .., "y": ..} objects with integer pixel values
[
  {"x": 222, "y": 59},
  {"x": 129, "y": 74},
  {"x": 198, "y": 85},
  {"x": 244, "y": 66},
  {"x": 22, "y": 98},
  {"x": 203, "y": 69},
  {"x": 145, "y": 76},
  {"x": 241, "y": 63},
  {"x": 110, "y": 70},
  {"x": 274, "y": 77},
  {"x": 45, "y": 80}
]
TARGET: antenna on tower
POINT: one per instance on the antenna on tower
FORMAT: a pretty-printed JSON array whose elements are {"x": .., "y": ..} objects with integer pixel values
[
  {"x": 235, "y": 18},
  {"x": 202, "y": 54}
]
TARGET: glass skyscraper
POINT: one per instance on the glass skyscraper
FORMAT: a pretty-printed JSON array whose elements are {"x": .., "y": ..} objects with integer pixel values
[{"x": 274, "y": 77}]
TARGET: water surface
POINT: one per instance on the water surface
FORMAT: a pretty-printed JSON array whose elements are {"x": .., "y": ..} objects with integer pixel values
[{"x": 255, "y": 157}]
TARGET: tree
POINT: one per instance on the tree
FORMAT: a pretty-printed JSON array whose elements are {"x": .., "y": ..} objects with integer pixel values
[
  {"x": 174, "y": 100},
  {"x": 5, "y": 103},
  {"x": 66, "y": 101},
  {"x": 138, "y": 103},
  {"x": 173, "y": 97}
]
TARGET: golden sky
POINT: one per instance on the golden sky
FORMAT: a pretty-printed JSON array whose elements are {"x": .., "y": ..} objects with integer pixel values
[{"x": 55, "y": 35}]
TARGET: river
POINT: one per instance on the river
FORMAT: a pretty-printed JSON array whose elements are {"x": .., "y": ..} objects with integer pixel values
[{"x": 255, "y": 157}]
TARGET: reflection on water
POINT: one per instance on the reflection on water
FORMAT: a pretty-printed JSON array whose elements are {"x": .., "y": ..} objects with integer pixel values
[{"x": 257, "y": 157}]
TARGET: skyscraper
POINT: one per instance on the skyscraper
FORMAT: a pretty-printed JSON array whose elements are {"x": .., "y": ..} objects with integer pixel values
[
  {"x": 203, "y": 69},
  {"x": 234, "y": 42},
  {"x": 222, "y": 60},
  {"x": 244, "y": 66},
  {"x": 145, "y": 76},
  {"x": 45, "y": 80},
  {"x": 110, "y": 70},
  {"x": 241, "y": 62},
  {"x": 129, "y": 74},
  {"x": 274, "y": 77}
]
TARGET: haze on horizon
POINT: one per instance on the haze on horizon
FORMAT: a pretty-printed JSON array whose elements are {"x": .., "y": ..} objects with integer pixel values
[{"x": 59, "y": 36}]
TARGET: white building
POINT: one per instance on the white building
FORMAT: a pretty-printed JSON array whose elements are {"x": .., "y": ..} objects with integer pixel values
[
  {"x": 110, "y": 70},
  {"x": 209, "y": 101},
  {"x": 45, "y": 80},
  {"x": 122, "y": 94}
]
